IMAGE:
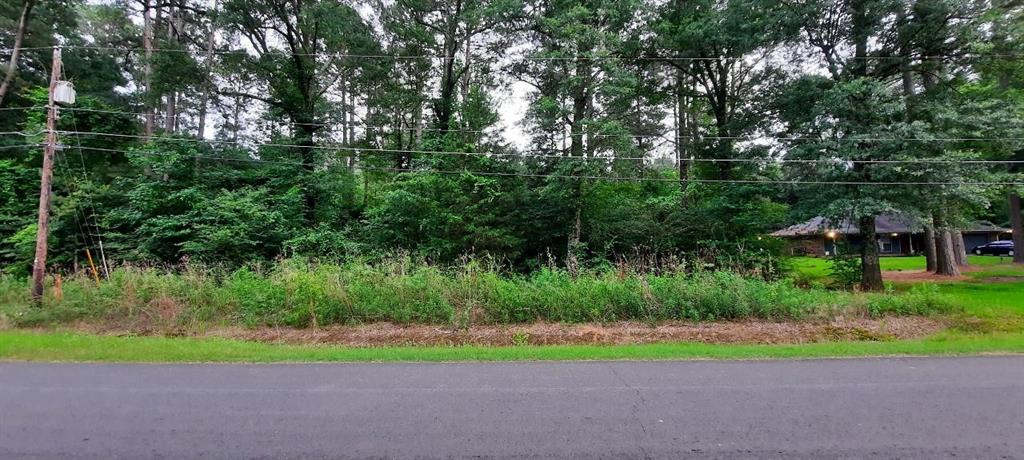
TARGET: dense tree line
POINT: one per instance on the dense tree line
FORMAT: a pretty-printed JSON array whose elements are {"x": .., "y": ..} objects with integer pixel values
[{"x": 239, "y": 130}]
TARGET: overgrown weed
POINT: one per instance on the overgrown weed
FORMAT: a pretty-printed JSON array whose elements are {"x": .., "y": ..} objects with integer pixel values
[{"x": 403, "y": 290}]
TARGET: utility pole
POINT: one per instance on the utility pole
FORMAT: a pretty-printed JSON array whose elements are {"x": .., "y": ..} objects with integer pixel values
[{"x": 43, "y": 226}]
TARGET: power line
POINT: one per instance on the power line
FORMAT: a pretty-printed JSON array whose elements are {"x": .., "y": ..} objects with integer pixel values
[
  {"x": 532, "y": 58},
  {"x": 618, "y": 135},
  {"x": 530, "y": 154},
  {"x": 570, "y": 176},
  {"x": 92, "y": 206},
  {"x": 65, "y": 169},
  {"x": 635, "y": 136},
  {"x": 20, "y": 133},
  {"x": 560, "y": 157},
  {"x": 11, "y": 109},
  {"x": 850, "y": 139}
]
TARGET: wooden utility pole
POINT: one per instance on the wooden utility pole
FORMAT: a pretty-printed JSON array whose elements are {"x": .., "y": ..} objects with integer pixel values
[{"x": 43, "y": 226}]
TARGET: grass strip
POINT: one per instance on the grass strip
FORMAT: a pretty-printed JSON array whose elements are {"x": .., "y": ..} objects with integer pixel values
[{"x": 65, "y": 347}]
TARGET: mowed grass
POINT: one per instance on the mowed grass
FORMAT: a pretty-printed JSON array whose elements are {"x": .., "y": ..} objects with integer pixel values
[
  {"x": 58, "y": 347},
  {"x": 991, "y": 300},
  {"x": 818, "y": 267},
  {"x": 985, "y": 294}
]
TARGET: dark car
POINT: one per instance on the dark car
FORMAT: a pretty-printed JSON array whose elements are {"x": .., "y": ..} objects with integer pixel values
[{"x": 995, "y": 248}]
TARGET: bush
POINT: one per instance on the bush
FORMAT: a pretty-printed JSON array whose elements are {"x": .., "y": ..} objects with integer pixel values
[
  {"x": 922, "y": 299},
  {"x": 845, "y": 268},
  {"x": 401, "y": 290}
]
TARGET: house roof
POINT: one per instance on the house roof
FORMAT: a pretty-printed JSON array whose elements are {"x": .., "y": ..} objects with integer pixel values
[{"x": 884, "y": 223}]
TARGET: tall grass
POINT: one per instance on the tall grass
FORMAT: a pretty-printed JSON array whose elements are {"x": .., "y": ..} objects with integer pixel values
[{"x": 301, "y": 294}]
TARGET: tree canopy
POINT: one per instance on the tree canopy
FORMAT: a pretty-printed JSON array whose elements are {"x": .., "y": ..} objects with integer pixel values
[{"x": 575, "y": 132}]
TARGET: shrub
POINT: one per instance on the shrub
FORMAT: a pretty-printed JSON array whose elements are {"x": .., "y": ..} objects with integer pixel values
[
  {"x": 400, "y": 290},
  {"x": 922, "y": 299},
  {"x": 258, "y": 299},
  {"x": 845, "y": 268}
]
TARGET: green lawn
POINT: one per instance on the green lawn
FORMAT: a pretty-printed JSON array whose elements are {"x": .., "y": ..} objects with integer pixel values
[
  {"x": 818, "y": 268},
  {"x": 979, "y": 296}
]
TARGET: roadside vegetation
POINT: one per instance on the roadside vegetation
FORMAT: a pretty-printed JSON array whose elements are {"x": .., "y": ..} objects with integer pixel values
[
  {"x": 818, "y": 269},
  {"x": 401, "y": 291},
  {"x": 979, "y": 313},
  {"x": 258, "y": 164}
]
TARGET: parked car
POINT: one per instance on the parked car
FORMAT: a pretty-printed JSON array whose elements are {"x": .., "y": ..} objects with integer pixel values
[{"x": 995, "y": 248}]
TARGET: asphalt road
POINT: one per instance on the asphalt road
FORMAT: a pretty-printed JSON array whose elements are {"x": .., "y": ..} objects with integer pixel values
[{"x": 864, "y": 408}]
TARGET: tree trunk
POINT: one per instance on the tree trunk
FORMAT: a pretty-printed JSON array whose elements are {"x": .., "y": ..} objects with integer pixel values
[
  {"x": 417, "y": 118},
  {"x": 445, "y": 105},
  {"x": 352, "y": 114},
  {"x": 1017, "y": 228},
  {"x": 572, "y": 263},
  {"x": 945, "y": 259},
  {"x": 929, "y": 248},
  {"x": 307, "y": 132},
  {"x": 147, "y": 45},
  {"x": 208, "y": 82},
  {"x": 860, "y": 25},
  {"x": 579, "y": 108},
  {"x": 171, "y": 112},
  {"x": 236, "y": 119},
  {"x": 19, "y": 36},
  {"x": 468, "y": 74},
  {"x": 343, "y": 89},
  {"x": 871, "y": 268},
  {"x": 369, "y": 133},
  {"x": 959, "y": 248},
  {"x": 906, "y": 75},
  {"x": 682, "y": 116},
  {"x": 170, "y": 107},
  {"x": 725, "y": 145},
  {"x": 1013, "y": 197}
]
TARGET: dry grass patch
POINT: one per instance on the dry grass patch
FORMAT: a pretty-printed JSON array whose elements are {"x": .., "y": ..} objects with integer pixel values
[
  {"x": 620, "y": 333},
  {"x": 922, "y": 275}
]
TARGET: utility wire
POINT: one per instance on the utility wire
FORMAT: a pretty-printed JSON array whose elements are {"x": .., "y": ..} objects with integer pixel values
[
  {"x": 20, "y": 133},
  {"x": 65, "y": 172},
  {"x": 636, "y": 136},
  {"x": 807, "y": 138},
  {"x": 334, "y": 147},
  {"x": 531, "y": 154},
  {"x": 92, "y": 205},
  {"x": 569, "y": 176},
  {"x": 532, "y": 58},
  {"x": 11, "y": 109}
]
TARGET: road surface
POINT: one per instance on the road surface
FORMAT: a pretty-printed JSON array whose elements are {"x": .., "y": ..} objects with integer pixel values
[{"x": 852, "y": 408}]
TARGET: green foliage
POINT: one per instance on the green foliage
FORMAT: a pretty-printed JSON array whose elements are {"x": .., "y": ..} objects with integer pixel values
[
  {"x": 425, "y": 167},
  {"x": 19, "y": 249},
  {"x": 844, "y": 266},
  {"x": 922, "y": 299},
  {"x": 240, "y": 225},
  {"x": 16, "y": 204},
  {"x": 405, "y": 291}
]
